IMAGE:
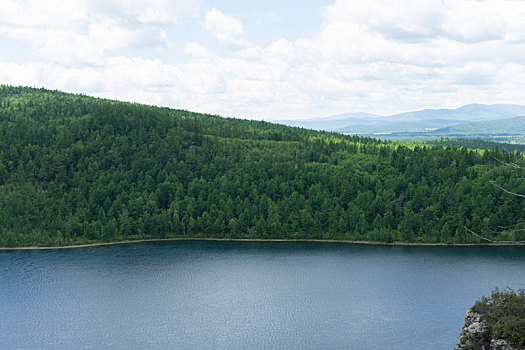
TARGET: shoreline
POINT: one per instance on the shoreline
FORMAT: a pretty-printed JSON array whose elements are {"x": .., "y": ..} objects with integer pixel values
[{"x": 275, "y": 240}]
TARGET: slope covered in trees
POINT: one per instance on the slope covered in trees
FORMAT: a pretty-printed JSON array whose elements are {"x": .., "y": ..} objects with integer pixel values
[
  {"x": 76, "y": 169},
  {"x": 478, "y": 144}
]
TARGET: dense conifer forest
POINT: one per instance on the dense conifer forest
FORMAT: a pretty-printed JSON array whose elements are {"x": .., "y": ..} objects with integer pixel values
[{"x": 77, "y": 169}]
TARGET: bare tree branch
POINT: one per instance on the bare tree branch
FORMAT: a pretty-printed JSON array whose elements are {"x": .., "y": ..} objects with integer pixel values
[
  {"x": 506, "y": 191},
  {"x": 510, "y": 231},
  {"x": 506, "y": 228},
  {"x": 518, "y": 224},
  {"x": 490, "y": 240},
  {"x": 510, "y": 164}
]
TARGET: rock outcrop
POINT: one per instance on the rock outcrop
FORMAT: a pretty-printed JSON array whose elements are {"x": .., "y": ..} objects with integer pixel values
[{"x": 476, "y": 335}]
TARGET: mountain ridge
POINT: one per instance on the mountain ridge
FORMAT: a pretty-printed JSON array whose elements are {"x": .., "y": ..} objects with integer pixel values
[{"x": 420, "y": 120}]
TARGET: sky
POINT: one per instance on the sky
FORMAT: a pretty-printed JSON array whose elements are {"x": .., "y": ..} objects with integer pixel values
[{"x": 286, "y": 59}]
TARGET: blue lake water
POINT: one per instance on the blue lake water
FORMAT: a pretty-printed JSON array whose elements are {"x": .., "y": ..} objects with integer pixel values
[{"x": 229, "y": 295}]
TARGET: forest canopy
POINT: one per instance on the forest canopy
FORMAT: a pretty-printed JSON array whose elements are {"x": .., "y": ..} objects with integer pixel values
[{"x": 77, "y": 169}]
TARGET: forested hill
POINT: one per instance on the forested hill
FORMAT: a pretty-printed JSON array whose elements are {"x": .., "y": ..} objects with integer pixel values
[{"x": 76, "y": 169}]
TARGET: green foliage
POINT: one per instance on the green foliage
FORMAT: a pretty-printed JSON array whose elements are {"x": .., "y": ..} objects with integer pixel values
[
  {"x": 504, "y": 315},
  {"x": 478, "y": 144},
  {"x": 76, "y": 169}
]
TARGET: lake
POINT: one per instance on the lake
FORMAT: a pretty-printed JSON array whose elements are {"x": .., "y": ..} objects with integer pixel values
[{"x": 247, "y": 295}]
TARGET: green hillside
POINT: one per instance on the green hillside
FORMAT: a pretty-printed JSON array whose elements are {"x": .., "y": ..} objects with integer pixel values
[
  {"x": 76, "y": 169},
  {"x": 478, "y": 144}
]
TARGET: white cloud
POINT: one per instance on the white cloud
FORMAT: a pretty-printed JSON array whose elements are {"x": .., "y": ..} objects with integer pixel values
[
  {"x": 158, "y": 11},
  {"x": 85, "y": 32},
  {"x": 20, "y": 74},
  {"x": 196, "y": 50},
  {"x": 78, "y": 48},
  {"x": 380, "y": 56},
  {"x": 226, "y": 29},
  {"x": 49, "y": 13}
]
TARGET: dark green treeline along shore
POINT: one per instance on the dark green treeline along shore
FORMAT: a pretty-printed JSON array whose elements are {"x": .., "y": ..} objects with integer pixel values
[{"x": 76, "y": 169}]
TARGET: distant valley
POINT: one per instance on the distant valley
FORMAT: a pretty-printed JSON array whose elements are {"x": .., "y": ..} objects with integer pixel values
[{"x": 499, "y": 122}]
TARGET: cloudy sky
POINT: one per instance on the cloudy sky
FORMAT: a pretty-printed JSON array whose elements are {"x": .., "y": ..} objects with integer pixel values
[{"x": 272, "y": 59}]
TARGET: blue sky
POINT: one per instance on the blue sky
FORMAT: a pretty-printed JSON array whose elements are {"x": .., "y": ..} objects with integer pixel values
[{"x": 272, "y": 59}]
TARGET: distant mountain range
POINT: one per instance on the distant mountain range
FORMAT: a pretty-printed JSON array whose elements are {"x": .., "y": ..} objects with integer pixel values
[{"x": 417, "y": 121}]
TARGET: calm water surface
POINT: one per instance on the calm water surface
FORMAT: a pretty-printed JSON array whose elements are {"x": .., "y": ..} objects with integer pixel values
[{"x": 206, "y": 295}]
